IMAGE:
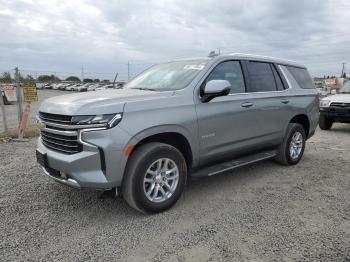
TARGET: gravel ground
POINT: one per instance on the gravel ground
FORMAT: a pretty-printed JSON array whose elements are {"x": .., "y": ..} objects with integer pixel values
[
  {"x": 262, "y": 212},
  {"x": 12, "y": 113}
]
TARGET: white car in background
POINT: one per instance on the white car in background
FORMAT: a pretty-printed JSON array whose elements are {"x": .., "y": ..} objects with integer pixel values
[
  {"x": 91, "y": 87},
  {"x": 77, "y": 86},
  {"x": 69, "y": 87},
  {"x": 83, "y": 88},
  {"x": 56, "y": 86},
  {"x": 335, "y": 108},
  {"x": 105, "y": 86}
]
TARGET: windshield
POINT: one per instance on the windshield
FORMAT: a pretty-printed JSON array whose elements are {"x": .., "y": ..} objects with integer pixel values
[
  {"x": 345, "y": 89},
  {"x": 168, "y": 76}
]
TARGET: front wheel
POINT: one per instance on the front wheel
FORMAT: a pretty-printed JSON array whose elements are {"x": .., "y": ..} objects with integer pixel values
[
  {"x": 155, "y": 177},
  {"x": 325, "y": 123},
  {"x": 292, "y": 149}
]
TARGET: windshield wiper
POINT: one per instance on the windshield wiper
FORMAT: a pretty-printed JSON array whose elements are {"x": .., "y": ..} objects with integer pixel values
[{"x": 144, "y": 88}]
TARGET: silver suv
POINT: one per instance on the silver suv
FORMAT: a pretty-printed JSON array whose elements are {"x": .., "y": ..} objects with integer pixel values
[{"x": 186, "y": 118}]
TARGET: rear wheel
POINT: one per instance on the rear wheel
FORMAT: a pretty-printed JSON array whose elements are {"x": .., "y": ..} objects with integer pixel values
[
  {"x": 325, "y": 123},
  {"x": 292, "y": 149},
  {"x": 155, "y": 177}
]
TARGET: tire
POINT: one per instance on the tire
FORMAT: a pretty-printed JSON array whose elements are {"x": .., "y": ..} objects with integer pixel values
[
  {"x": 325, "y": 123},
  {"x": 148, "y": 158},
  {"x": 285, "y": 154}
]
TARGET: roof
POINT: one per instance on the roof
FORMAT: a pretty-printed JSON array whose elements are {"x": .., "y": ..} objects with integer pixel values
[
  {"x": 263, "y": 59},
  {"x": 244, "y": 57}
]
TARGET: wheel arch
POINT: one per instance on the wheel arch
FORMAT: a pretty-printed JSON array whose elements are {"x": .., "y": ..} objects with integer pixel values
[
  {"x": 174, "y": 135},
  {"x": 304, "y": 121}
]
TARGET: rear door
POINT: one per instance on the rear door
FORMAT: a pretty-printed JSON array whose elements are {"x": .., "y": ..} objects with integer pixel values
[{"x": 270, "y": 99}]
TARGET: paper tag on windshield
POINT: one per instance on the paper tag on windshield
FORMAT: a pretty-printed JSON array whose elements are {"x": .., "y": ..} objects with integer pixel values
[{"x": 193, "y": 67}]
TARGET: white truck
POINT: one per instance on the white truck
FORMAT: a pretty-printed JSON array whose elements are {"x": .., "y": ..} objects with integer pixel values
[{"x": 335, "y": 108}]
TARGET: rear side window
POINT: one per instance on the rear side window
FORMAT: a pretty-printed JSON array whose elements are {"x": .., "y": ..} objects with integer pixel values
[
  {"x": 230, "y": 71},
  {"x": 302, "y": 77},
  {"x": 261, "y": 77},
  {"x": 279, "y": 82}
]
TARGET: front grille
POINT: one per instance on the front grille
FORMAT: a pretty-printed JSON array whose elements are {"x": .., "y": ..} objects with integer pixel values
[
  {"x": 54, "y": 118},
  {"x": 62, "y": 143},
  {"x": 339, "y": 104},
  {"x": 56, "y": 136}
]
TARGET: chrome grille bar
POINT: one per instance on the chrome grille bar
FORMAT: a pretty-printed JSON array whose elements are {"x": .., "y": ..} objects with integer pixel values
[{"x": 59, "y": 135}]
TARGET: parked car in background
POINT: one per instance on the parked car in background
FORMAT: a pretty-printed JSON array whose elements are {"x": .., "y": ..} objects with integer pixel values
[
  {"x": 62, "y": 86},
  {"x": 69, "y": 87},
  {"x": 40, "y": 85},
  {"x": 84, "y": 87},
  {"x": 186, "y": 118},
  {"x": 56, "y": 86},
  {"x": 91, "y": 87},
  {"x": 105, "y": 87},
  {"x": 335, "y": 108},
  {"x": 77, "y": 86},
  {"x": 47, "y": 86}
]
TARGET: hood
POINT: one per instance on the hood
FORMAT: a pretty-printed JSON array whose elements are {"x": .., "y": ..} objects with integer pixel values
[
  {"x": 97, "y": 102},
  {"x": 340, "y": 98}
]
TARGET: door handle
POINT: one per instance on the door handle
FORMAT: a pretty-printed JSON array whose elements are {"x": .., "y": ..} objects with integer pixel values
[
  {"x": 247, "y": 104},
  {"x": 285, "y": 101}
]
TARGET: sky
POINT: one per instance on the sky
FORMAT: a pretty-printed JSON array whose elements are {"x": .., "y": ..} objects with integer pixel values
[{"x": 98, "y": 38}]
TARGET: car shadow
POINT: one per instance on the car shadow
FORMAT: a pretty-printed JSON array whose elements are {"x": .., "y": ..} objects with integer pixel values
[
  {"x": 340, "y": 128},
  {"x": 97, "y": 206}
]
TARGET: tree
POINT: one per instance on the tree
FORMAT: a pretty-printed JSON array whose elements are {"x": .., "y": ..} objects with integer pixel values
[
  {"x": 96, "y": 80},
  {"x": 73, "y": 79},
  {"x": 44, "y": 78},
  {"x": 105, "y": 81},
  {"x": 6, "y": 77},
  {"x": 344, "y": 75},
  {"x": 47, "y": 78},
  {"x": 87, "y": 80},
  {"x": 55, "y": 78},
  {"x": 27, "y": 79}
]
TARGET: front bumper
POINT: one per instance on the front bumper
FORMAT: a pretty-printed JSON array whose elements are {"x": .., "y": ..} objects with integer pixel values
[
  {"x": 100, "y": 164},
  {"x": 338, "y": 114},
  {"x": 57, "y": 176}
]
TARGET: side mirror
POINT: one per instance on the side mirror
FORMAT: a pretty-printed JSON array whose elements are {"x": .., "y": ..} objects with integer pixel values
[{"x": 215, "y": 88}]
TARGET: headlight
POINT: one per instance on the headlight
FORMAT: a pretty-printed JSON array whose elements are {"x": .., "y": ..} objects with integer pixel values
[
  {"x": 107, "y": 120},
  {"x": 325, "y": 103}
]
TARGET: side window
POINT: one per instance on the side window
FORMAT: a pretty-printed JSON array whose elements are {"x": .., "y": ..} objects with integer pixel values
[
  {"x": 261, "y": 77},
  {"x": 301, "y": 76},
  {"x": 279, "y": 82},
  {"x": 230, "y": 71}
]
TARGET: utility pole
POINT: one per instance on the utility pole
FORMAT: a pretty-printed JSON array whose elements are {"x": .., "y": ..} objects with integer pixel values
[
  {"x": 19, "y": 96},
  {"x": 128, "y": 70},
  {"x": 343, "y": 70},
  {"x": 115, "y": 78},
  {"x": 82, "y": 73}
]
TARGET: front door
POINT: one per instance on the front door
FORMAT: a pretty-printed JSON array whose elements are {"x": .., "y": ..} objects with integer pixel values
[{"x": 226, "y": 124}]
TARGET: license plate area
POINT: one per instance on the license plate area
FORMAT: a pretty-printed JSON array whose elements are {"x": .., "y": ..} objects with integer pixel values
[{"x": 41, "y": 159}]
